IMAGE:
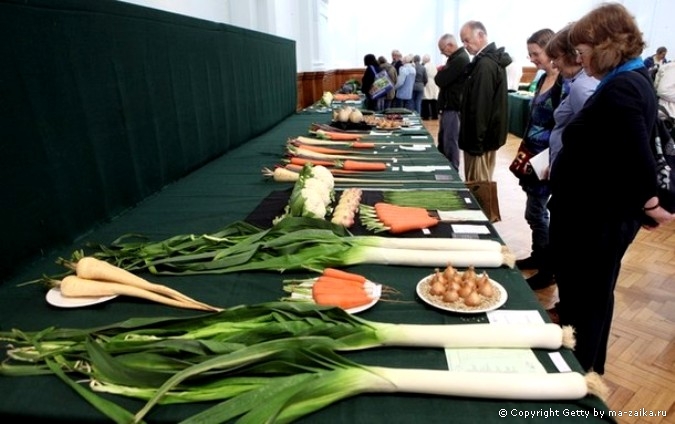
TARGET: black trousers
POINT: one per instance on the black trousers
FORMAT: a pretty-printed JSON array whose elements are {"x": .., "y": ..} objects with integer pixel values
[
  {"x": 429, "y": 109},
  {"x": 586, "y": 257}
]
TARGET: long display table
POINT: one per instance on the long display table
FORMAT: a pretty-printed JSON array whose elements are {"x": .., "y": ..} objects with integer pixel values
[{"x": 228, "y": 189}]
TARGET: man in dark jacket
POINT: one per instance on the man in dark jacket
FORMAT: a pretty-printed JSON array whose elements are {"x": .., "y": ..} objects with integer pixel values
[
  {"x": 484, "y": 119},
  {"x": 450, "y": 82}
]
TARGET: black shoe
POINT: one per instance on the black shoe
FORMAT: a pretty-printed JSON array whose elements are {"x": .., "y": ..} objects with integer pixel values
[
  {"x": 528, "y": 263},
  {"x": 540, "y": 280}
]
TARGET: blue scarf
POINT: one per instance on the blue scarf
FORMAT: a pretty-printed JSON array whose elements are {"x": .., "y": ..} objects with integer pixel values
[{"x": 627, "y": 66}]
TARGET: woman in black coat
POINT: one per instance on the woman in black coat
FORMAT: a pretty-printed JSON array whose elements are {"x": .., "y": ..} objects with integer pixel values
[{"x": 603, "y": 182}]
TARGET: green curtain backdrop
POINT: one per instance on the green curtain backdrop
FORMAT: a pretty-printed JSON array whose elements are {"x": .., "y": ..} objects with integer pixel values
[{"x": 103, "y": 103}]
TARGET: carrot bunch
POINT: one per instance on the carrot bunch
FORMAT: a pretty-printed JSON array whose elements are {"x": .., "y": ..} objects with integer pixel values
[
  {"x": 395, "y": 219},
  {"x": 335, "y": 287},
  {"x": 334, "y": 135}
]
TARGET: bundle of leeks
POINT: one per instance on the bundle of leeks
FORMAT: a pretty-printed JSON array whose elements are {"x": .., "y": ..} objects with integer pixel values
[{"x": 274, "y": 362}]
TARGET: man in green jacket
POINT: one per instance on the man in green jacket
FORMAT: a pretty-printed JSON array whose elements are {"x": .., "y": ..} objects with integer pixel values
[{"x": 484, "y": 119}]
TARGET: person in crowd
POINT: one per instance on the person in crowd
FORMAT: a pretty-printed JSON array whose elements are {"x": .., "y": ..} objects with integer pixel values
[
  {"x": 396, "y": 59},
  {"x": 484, "y": 119},
  {"x": 404, "y": 84},
  {"x": 430, "y": 97},
  {"x": 514, "y": 73},
  {"x": 450, "y": 81},
  {"x": 665, "y": 87},
  {"x": 420, "y": 82},
  {"x": 577, "y": 87},
  {"x": 655, "y": 61},
  {"x": 603, "y": 181},
  {"x": 547, "y": 96},
  {"x": 372, "y": 68},
  {"x": 393, "y": 75}
]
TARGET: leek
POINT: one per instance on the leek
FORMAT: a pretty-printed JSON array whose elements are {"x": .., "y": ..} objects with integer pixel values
[
  {"x": 276, "y": 361},
  {"x": 293, "y": 243}
]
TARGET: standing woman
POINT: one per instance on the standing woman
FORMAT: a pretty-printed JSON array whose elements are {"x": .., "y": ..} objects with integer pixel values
[
  {"x": 604, "y": 179},
  {"x": 536, "y": 139},
  {"x": 372, "y": 68}
]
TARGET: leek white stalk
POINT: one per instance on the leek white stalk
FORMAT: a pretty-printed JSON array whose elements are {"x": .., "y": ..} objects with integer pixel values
[
  {"x": 427, "y": 258},
  {"x": 555, "y": 386},
  {"x": 436, "y": 243},
  {"x": 542, "y": 336}
]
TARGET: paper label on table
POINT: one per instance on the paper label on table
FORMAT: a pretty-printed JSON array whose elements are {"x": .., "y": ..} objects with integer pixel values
[
  {"x": 529, "y": 316},
  {"x": 470, "y": 229},
  {"x": 462, "y": 215},
  {"x": 540, "y": 164},
  {"x": 395, "y": 168},
  {"x": 420, "y": 136},
  {"x": 442, "y": 177},
  {"x": 373, "y": 132},
  {"x": 494, "y": 360},
  {"x": 415, "y": 147},
  {"x": 559, "y": 362},
  {"x": 425, "y": 168}
]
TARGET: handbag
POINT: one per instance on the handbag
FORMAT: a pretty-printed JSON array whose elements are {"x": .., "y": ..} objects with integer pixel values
[
  {"x": 485, "y": 193},
  {"x": 521, "y": 166},
  {"x": 381, "y": 86}
]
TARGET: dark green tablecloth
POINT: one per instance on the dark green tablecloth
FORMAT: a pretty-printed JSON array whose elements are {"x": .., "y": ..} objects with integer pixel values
[
  {"x": 228, "y": 189},
  {"x": 519, "y": 109}
]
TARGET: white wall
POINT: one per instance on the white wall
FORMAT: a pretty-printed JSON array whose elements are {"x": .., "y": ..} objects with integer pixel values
[{"x": 332, "y": 34}]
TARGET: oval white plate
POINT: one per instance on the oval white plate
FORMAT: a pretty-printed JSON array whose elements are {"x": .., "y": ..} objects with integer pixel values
[
  {"x": 55, "y": 298},
  {"x": 464, "y": 310},
  {"x": 377, "y": 293}
]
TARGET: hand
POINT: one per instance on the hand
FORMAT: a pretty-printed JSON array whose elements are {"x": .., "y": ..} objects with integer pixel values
[{"x": 660, "y": 216}]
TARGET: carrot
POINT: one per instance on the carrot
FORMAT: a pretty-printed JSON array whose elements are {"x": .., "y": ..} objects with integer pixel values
[
  {"x": 338, "y": 136},
  {"x": 344, "y": 275},
  {"x": 352, "y": 165},
  {"x": 404, "y": 226},
  {"x": 337, "y": 282},
  {"x": 74, "y": 286},
  {"x": 341, "y": 299},
  {"x": 90, "y": 268},
  {"x": 295, "y": 160},
  {"x": 400, "y": 219}
]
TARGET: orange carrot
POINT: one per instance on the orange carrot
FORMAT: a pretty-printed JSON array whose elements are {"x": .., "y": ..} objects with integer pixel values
[
  {"x": 352, "y": 165},
  {"x": 338, "y": 136},
  {"x": 404, "y": 226},
  {"x": 343, "y": 298},
  {"x": 295, "y": 160},
  {"x": 344, "y": 275}
]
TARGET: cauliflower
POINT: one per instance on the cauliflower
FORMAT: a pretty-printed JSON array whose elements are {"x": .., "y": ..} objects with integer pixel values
[{"x": 322, "y": 173}]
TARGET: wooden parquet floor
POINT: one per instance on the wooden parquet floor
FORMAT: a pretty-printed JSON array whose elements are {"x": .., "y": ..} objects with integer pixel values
[{"x": 640, "y": 370}]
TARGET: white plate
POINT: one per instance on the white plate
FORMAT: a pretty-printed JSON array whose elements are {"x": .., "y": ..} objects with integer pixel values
[
  {"x": 465, "y": 309},
  {"x": 54, "y": 297},
  {"x": 377, "y": 292}
]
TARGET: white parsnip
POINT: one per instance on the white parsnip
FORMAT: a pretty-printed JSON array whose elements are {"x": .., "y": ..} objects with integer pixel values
[{"x": 90, "y": 268}]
